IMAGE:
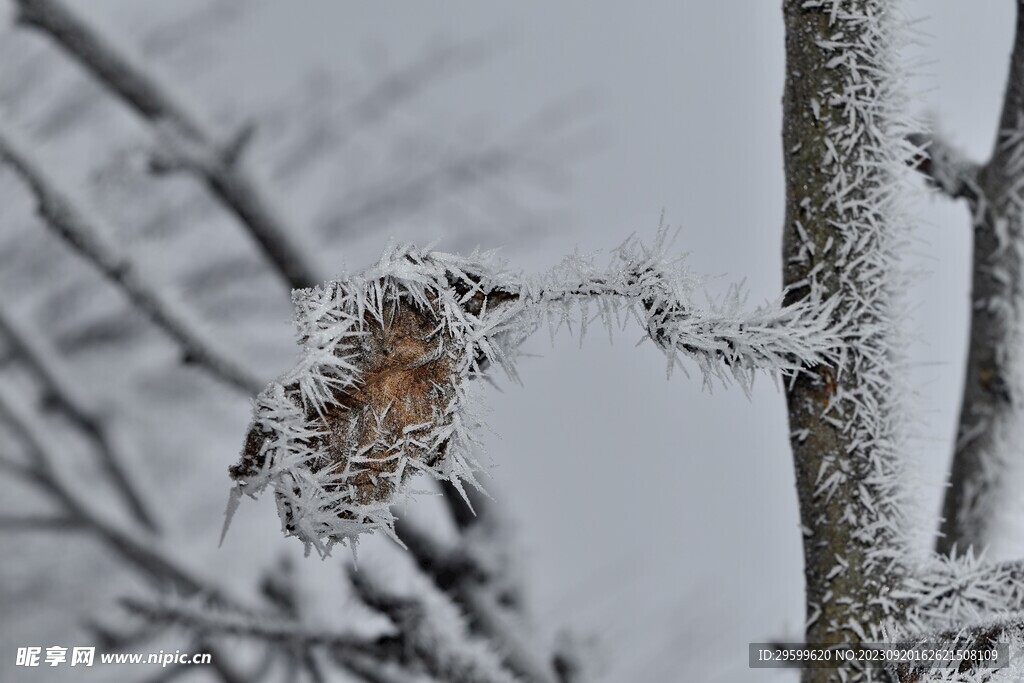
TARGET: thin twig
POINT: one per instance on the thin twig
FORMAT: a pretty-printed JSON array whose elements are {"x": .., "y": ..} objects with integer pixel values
[
  {"x": 146, "y": 557},
  {"x": 39, "y": 523},
  {"x": 68, "y": 218},
  {"x": 946, "y": 167},
  {"x": 45, "y": 363},
  {"x": 413, "y": 193},
  {"x": 224, "y": 172}
]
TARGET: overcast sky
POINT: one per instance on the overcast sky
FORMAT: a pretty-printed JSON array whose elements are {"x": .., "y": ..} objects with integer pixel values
[{"x": 653, "y": 515}]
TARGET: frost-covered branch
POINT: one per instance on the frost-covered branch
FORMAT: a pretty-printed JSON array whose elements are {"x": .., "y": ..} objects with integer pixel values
[
  {"x": 844, "y": 140},
  {"x": 85, "y": 232},
  {"x": 433, "y": 635},
  {"x": 947, "y": 168},
  {"x": 954, "y": 590},
  {"x": 44, "y": 362},
  {"x": 192, "y": 146},
  {"x": 383, "y": 387},
  {"x": 978, "y": 637},
  {"x": 726, "y": 341},
  {"x": 140, "y": 553},
  {"x": 361, "y": 654},
  {"x": 991, "y": 424},
  {"x": 404, "y": 196},
  {"x": 475, "y": 577}
]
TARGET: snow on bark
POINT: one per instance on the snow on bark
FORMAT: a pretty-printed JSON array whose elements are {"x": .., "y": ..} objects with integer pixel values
[{"x": 846, "y": 157}]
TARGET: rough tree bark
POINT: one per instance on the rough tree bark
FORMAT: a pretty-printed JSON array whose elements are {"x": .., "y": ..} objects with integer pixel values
[{"x": 837, "y": 244}]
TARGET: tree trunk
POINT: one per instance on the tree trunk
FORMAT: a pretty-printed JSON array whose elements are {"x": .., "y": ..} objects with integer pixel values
[{"x": 841, "y": 160}]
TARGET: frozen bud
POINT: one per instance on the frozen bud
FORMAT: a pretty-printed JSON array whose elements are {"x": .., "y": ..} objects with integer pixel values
[
  {"x": 379, "y": 394},
  {"x": 365, "y": 433}
]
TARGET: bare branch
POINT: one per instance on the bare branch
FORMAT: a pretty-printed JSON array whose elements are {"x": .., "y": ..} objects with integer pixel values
[
  {"x": 991, "y": 411},
  {"x": 144, "y": 555},
  {"x": 397, "y": 87},
  {"x": 68, "y": 218},
  {"x": 413, "y": 193},
  {"x": 45, "y": 363},
  {"x": 39, "y": 523},
  {"x": 225, "y": 174}
]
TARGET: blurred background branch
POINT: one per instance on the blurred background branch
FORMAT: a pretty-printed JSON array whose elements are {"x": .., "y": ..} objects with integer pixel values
[{"x": 83, "y": 377}]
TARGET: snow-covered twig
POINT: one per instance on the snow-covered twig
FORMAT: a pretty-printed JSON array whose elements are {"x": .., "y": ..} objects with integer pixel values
[
  {"x": 654, "y": 287},
  {"x": 383, "y": 389},
  {"x": 475, "y": 586},
  {"x": 433, "y": 635},
  {"x": 991, "y": 423},
  {"x": 32, "y": 346},
  {"x": 222, "y": 166},
  {"x": 67, "y": 216},
  {"x": 947, "y": 168},
  {"x": 140, "y": 553},
  {"x": 957, "y": 589}
]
